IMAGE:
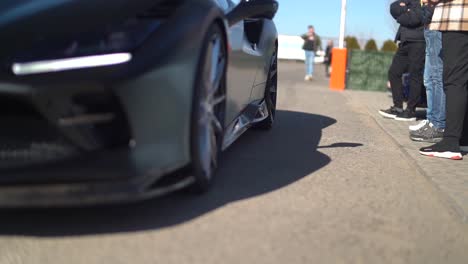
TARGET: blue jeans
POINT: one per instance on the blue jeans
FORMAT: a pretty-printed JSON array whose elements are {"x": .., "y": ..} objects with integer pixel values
[
  {"x": 433, "y": 79},
  {"x": 310, "y": 60}
]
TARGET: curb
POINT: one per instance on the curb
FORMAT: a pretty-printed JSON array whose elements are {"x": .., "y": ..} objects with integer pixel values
[{"x": 446, "y": 199}]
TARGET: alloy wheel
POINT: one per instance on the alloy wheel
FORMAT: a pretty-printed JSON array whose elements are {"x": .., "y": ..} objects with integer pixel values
[{"x": 211, "y": 106}]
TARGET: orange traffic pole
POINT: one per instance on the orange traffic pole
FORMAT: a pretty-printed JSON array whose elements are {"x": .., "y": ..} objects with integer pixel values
[{"x": 338, "y": 74}]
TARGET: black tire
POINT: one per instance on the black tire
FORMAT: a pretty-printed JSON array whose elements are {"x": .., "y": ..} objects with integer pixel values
[
  {"x": 207, "y": 125},
  {"x": 271, "y": 89}
]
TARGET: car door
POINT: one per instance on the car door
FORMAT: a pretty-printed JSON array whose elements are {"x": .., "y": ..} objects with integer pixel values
[
  {"x": 264, "y": 34},
  {"x": 244, "y": 61}
]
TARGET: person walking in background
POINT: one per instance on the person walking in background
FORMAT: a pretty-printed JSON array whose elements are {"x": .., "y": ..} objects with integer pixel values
[
  {"x": 311, "y": 45},
  {"x": 328, "y": 57},
  {"x": 408, "y": 59},
  {"x": 451, "y": 17},
  {"x": 432, "y": 129}
]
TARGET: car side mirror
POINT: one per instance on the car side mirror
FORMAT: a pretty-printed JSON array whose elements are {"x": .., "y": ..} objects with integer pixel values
[{"x": 253, "y": 9}]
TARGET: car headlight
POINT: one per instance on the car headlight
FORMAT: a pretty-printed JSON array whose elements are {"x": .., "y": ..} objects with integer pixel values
[
  {"x": 94, "y": 49},
  {"x": 58, "y": 65}
]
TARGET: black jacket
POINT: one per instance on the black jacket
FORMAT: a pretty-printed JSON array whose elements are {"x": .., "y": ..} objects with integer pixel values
[
  {"x": 411, "y": 20},
  {"x": 427, "y": 13},
  {"x": 311, "y": 45},
  {"x": 328, "y": 54}
]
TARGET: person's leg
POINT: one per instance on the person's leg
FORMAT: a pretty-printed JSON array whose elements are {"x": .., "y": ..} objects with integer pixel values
[
  {"x": 326, "y": 69},
  {"x": 436, "y": 78},
  {"x": 416, "y": 55},
  {"x": 455, "y": 45},
  {"x": 456, "y": 77},
  {"x": 464, "y": 138},
  {"x": 431, "y": 130},
  {"x": 307, "y": 62},
  {"x": 398, "y": 67},
  {"x": 428, "y": 69},
  {"x": 312, "y": 62}
]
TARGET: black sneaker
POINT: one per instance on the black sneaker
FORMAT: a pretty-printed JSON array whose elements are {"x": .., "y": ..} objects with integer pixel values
[
  {"x": 428, "y": 133},
  {"x": 444, "y": 150},
  {"x": 391, "y": 113},
  {"x": 407, "y": 115}
]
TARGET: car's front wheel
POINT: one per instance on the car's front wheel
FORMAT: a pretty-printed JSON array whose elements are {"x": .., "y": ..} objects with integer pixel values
[{"x": 209, "y": 104}]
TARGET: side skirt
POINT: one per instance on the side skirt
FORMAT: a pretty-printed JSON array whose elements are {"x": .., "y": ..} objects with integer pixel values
[{"x": 254, "y": 113}]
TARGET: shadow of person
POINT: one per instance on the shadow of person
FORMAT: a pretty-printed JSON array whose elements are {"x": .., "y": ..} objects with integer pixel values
[
  {"x": 341, "y": 145},
  {"x": 258, "y": 163}
]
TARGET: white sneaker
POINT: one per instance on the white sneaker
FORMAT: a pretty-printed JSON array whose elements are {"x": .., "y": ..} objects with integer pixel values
[
  {"x": 464, "y": 148},
  {"x": 307, "y": 78},
  {"x": 419, "y": 125}
]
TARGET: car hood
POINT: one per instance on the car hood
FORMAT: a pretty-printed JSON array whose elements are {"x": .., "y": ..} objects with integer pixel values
[{"x": 23, "y": 22}]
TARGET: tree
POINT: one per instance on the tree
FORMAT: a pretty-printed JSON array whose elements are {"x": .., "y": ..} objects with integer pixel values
[
  {"x": 352, "y": 43},
  {"x": 371, "y": 45},
  {"x": 389, "y": 46}
]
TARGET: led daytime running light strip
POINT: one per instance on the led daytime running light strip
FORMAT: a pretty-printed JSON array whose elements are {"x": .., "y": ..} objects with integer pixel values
[{"x": 58, "y": 65}]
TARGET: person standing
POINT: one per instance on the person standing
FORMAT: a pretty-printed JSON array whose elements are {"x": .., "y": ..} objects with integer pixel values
[
  {"x": 311, "y": 45},
  {"x": 409, "y": 58},
  {"x": 451, "y": 18},
  {"x": 328, "y": 57},
  {"x": 432, "y": 129}
]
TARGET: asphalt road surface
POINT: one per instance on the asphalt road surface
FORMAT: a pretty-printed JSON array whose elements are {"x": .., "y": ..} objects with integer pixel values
[{"x": 326, "y": 185}]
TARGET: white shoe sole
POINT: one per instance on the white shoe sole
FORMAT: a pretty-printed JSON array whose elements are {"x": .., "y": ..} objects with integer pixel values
[
  {"x": 427, "y": 140},
  {"x": 445, "y": 155},
  {"x": 405, "y": 119},
  {"x": 386, "y": 115}
]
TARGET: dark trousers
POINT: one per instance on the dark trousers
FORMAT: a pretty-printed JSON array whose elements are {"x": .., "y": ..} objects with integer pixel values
[
  {"x": 408, "y": 59},
  {"x": 455, "y": 48},
  {"x": 327, "y": 69}
]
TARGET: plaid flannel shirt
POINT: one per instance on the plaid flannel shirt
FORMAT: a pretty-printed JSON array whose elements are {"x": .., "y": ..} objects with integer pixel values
[{"x": 450, "y": 15}]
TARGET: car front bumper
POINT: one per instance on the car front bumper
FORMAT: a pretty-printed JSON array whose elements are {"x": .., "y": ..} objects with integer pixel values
[
  {"x": 104, "y": 178},
  {"x": 156, "y": 103}
]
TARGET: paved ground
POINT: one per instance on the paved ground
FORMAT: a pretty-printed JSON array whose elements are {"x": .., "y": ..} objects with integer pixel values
[
  {"x": 451, "y": 177},
  {"x": 327, "y": 185}
]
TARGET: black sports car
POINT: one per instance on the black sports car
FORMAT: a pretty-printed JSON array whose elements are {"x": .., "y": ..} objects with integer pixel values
[{"x": 123, "y": 100}]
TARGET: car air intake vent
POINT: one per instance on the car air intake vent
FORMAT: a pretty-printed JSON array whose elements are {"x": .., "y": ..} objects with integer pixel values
[
  {"x": 26, "y": 138},
  {"x": 13, "y": 155},
  {"x": 100, "y": 118},
  {"x": 162, "y": 10}
]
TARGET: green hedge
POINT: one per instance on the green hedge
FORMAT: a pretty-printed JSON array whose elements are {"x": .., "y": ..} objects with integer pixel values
[
  {"x": 389, "y": 46},
  {"x": 368, "y": 70}
]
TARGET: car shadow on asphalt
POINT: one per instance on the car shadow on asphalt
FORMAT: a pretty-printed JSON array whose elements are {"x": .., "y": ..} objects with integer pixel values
[{"x": 260, "y": 162}]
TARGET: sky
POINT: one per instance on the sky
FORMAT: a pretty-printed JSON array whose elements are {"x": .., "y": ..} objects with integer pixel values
[{"x": 365, "y": 19}]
